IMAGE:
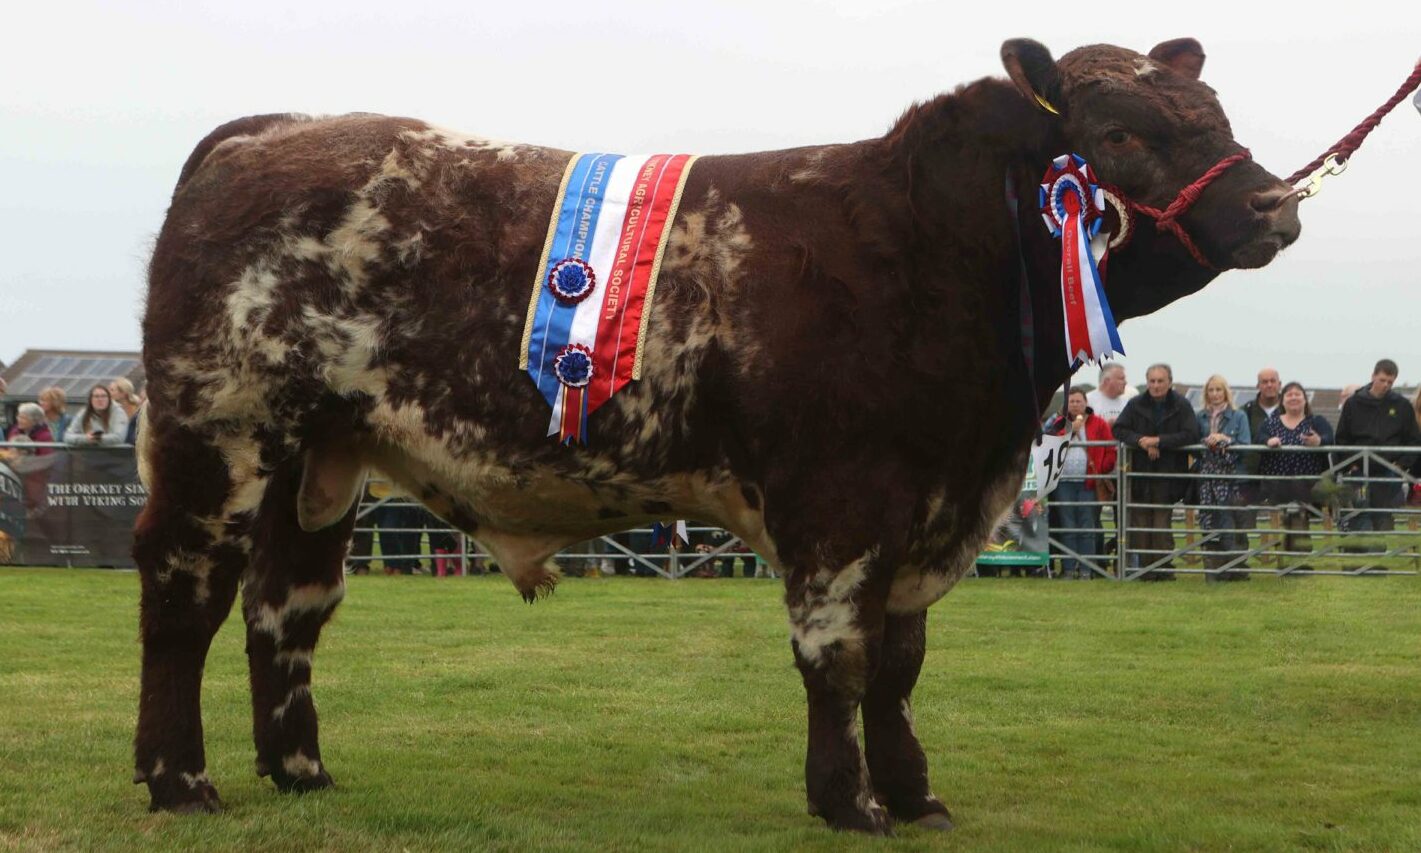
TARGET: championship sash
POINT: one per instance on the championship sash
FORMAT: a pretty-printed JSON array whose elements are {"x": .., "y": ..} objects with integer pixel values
[{"x": 591, "y": 301}]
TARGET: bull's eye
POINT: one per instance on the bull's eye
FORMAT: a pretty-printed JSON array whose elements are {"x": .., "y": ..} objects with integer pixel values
[{"x": 1117, "y": 136}]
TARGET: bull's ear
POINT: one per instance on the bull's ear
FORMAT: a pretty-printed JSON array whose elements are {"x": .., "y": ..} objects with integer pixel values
[
  {"x": 1031, "y": 68},
  {"x": 1182, "y": 56}
]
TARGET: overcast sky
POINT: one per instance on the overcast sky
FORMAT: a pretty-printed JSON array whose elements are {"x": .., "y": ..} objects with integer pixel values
[{"x": 102, "y": 102}]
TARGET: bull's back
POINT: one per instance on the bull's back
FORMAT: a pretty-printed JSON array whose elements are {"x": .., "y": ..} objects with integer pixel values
[{"x": 304, "y": 258}]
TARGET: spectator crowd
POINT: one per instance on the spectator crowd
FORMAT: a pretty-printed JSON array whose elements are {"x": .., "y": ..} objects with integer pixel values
[{"x": 1238, "y": 459}]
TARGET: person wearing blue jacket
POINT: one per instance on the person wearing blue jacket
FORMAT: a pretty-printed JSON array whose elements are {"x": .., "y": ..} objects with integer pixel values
[{"x": 1223, "y": 428}]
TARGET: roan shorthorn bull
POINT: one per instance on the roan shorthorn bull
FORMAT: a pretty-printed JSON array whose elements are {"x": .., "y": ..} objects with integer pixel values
[{"x": 834, "y": 371}]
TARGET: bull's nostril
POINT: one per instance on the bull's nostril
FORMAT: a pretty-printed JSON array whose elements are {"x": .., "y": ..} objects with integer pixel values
[{"x": 1270, "y": 200}]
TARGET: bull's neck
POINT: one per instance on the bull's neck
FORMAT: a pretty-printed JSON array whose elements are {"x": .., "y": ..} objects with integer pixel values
[{"x": 957, "y": 153}]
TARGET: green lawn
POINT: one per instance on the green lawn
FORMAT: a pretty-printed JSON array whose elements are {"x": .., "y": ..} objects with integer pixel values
[{"x": 632, "y": 714}]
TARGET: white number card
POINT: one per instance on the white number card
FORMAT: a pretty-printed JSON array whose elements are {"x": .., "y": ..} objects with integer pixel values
[{"x": 1048, "y": 458}]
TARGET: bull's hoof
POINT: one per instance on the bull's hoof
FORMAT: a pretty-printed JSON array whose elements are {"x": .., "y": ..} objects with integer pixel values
[
  {"x": 181, "y": 797},
  {"x": 288, "y": 784},
  {"x": 936, "y": 821},
  {"x": 925, "y": 811},
  {"x": 213, "y": 806},
  {"x": 873, "y": 820}
]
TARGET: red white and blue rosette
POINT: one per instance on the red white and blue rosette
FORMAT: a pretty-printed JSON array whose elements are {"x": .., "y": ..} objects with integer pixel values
[
  {"x": 571, "y": 280},
  {"x": 1073, "y": 206},
  {"x": 573, "y": 368}
]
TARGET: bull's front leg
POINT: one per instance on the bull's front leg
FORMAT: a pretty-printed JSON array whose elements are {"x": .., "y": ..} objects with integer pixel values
[
  {"x": 896, "y": 762},
  {"x": 836, "y": 625}
]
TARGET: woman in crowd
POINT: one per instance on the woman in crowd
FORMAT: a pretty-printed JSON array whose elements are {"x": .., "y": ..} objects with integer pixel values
[
  {"x": 1294, "y": 425},
  {"x": 101, "y": 422},
  {"x": 30, "y": 463},
  {"x": 1074, "y": 500},
  {"x": 1222, "y": 426},
  {"x": 121, "y": 390},
  {"x": 55, "y": 405}
]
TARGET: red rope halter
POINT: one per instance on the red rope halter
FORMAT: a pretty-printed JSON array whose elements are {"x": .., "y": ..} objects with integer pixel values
[{"x": 1168, "y": 219}]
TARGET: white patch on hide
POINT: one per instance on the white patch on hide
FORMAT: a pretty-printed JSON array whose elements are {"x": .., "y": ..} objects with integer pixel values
[
  {"x": 826, "y": 613},
  {"x": 310, "y": 598},
  {"x": 459, "y": 141},
  {"x": 347, "y": 346},
  {"x": 193, "y": 780},
  {"x": 300, "y": 766},
  {"x": 356, "y": 244},
  {"x": 296, "y": 692},
  {"x": 292, "y": 658}
]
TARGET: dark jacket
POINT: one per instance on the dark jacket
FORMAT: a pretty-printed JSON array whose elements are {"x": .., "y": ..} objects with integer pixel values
[
  {"x": 1256, "y": 417},
  {"x": 1175, "y": 424},
  {"x": 1388, "y": 421}
]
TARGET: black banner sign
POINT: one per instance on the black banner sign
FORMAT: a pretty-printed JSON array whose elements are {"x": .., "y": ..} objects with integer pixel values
[{"x": 70, "y": 509}]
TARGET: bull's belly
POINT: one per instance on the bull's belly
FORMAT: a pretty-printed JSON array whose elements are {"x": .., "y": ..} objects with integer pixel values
[{"x": 525, "y": 513}]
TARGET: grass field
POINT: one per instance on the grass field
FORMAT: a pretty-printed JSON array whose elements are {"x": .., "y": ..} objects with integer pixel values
[{"x": 629, "y": 714}]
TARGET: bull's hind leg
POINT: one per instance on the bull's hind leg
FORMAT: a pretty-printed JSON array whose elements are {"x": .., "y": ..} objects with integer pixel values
[
  {"x": 190, "y": 544},
  {"x": 294, "y": 584},
  {"x": 896, "y": 763},
  {"x": 835, "y": 622}
]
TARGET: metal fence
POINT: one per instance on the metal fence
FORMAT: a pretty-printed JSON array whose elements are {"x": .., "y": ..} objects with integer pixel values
[
  {"x": 409, "y": 539},
  {"x": 1349, "y": 516}
]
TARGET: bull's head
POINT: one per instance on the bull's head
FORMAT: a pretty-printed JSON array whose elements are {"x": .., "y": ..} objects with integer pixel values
[{"x": 1149, "y": 127}]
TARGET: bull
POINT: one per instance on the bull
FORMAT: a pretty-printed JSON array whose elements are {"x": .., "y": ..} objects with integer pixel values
[{"x": 835, "y": 371}]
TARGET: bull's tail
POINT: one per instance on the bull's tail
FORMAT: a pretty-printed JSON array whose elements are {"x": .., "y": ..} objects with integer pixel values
[{"x": 249, "y": 126}]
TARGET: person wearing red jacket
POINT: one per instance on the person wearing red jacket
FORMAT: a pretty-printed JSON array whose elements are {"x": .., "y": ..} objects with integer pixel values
[{"x": 1077, "y": 510}]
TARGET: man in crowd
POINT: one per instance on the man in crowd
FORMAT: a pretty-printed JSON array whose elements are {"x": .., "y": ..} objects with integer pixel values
[
  {"x": 1156, "y": 425},
  {"x": 1377, "y": 416},
  {"x": 1257, "y": 410},
  {"x": 1109, "y": 399},
  {"x": 1260, "y": 408}
]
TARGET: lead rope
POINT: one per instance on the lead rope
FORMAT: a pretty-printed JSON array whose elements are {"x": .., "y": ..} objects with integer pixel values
[{"x": 1352, "y": 141}]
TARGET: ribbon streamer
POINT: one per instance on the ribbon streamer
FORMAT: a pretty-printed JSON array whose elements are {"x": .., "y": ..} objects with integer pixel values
[{"x": 1073, "y": 207}]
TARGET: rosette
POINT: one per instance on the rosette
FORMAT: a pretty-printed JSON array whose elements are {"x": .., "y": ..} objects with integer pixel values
[
  {"x": 1073, "y": 205},
  {"x": 571, "y": 280},
  {"x": 573, "y": 366}
]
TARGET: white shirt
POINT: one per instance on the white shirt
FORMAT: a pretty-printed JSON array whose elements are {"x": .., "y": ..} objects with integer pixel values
[{"x": 1107, "y": 407}]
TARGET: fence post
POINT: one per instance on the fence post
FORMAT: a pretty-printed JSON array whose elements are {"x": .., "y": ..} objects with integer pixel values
[
  {"x": 1275, "y": 521},
  {"x": 1191, "y": 518},
  {"x": 1413, "y": 523},
  {"x": 1122, "y": 498}
]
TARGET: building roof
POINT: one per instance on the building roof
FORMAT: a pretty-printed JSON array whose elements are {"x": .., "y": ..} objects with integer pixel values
[{"x": 76, "y": 371}]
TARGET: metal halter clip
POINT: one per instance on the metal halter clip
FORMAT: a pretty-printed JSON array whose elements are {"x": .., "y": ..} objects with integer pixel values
[{"x": 1330, "y": 166}]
